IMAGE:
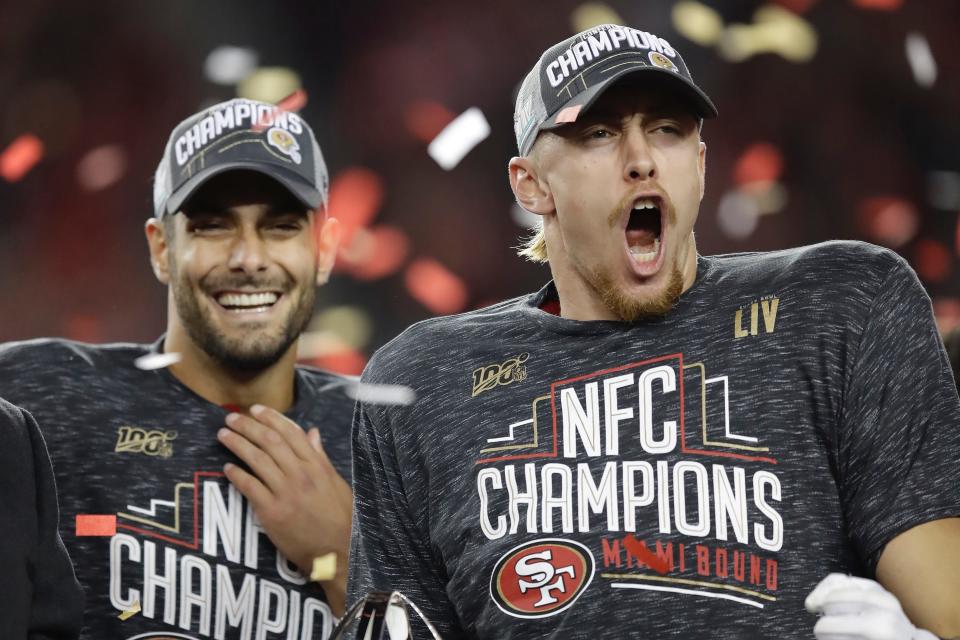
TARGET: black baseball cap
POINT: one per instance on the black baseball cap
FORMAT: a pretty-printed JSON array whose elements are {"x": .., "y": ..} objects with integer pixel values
[
  {"x": 572, "y": 74},
  {"x": 240, "y": 134}
]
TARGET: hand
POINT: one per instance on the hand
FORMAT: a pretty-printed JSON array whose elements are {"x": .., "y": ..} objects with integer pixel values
[
  {"x": 304, "y": 505},
  {"x": 859, "y": 609}
]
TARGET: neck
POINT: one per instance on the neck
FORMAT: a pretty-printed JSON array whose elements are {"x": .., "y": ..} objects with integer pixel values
[{"x": 209, "y": 379}]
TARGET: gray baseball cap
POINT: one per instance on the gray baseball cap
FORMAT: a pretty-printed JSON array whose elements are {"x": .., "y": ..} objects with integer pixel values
[
  {"x": 572, "y": 74},
  {"x": 240, "y": 134}
]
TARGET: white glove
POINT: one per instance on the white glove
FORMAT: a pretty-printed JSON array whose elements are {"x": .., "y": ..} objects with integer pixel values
[{"x": 859, "y": 609}]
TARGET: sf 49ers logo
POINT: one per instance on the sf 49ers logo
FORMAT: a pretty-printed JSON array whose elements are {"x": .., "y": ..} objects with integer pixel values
[{"x": 541, "y": 578}]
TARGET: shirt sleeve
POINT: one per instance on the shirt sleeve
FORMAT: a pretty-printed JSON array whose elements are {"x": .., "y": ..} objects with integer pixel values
[
  {"x": 390, "y": 546},
  {"x": 900, "y": 420},
  {"x": 36, "y": 567}
]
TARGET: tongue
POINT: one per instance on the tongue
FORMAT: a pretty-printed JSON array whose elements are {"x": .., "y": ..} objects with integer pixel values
[{"x": 640, "y": 239}]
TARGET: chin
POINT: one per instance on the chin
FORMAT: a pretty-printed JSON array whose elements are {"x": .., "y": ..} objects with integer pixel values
[{"x": 631, "y": 306}]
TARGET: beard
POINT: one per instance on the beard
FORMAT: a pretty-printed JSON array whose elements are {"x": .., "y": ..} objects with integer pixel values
[
  {"x": 630, "y": 309},
  {"x": 255, "y": 349}
]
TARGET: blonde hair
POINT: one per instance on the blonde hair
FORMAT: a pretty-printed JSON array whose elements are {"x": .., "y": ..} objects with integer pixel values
[{"x": 534, "y": 248}]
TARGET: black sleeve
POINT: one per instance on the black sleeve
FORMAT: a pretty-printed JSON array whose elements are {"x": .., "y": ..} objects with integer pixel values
[
  {"x": 40, "y": 598},
  {"x": 390, "y": 547},
  {"x": 900, "y": 422}
]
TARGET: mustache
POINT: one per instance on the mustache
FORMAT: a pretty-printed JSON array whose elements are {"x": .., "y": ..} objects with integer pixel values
[
  {"x": 666, "y": 207},
  {"x": 241, "y": 283}
]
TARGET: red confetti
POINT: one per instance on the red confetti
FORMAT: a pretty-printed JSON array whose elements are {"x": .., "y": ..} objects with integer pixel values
[
  {"x": 386, "y": 249},
  {"x": 355, "y": 198},
  {"x": 644, "y": 555},
  {"x": 436, "y": 287},
  {"x": 425, "y": 119},
  {"x": 91, "y": 525},
  {"x": 761, "y": 162},
  {"x": 348, "y": 362},
  {"x": 889, "y": 220},
  {"x": 21, "y": 156},
  {"x": 293, "y": 102},
  {"x": 880, "y": 5},
  {"x": 932, "y": 261}
]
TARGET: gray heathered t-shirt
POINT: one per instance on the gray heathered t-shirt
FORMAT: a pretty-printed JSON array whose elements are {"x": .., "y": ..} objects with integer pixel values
[
  {"x": 140, "y": 447},
  {"x": 689, "y": 477}
]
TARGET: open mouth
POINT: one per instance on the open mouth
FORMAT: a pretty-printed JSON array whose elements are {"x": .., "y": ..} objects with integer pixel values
[
  {"x": 644, "y": 229},
  {"x": 247, "y": 302}
]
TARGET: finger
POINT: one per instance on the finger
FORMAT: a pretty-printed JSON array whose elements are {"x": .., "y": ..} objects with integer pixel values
[
  {"x": 860, "y": 600},
  {"x": 252, "y": 489},
  {"x": 260, "y": 462},
  {"x": 314, "y": 436},
  {"x": 834, "y": 582},
  {"x": 815, "y": 598},
  {"x": 286, "y": 428},
  {"x": 881, "y": 626},
  {"x": 267, "y": 439}
]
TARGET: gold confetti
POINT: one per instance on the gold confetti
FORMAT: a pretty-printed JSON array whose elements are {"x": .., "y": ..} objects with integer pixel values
[
  {"x": 132, "y": 611},
  {"x": 324, "y": 567}
]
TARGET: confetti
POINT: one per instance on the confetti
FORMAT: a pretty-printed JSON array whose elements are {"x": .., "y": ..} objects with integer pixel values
[
  {"x": 356, "y": 194},
  {"x": 132, "y": 611},
  {"x": 737, "y": 214},
  {"x": 760, "y": 162},
  {"x": 458, "y": 138},
  {"x": 153, "y": 361},
  {"x": 425, "y": 119},
  {"x": 697, "y": 22},
  {"x": 382, "y": 394},
  {"x": 269, "y": 84},
  {"x": 292, "y": 103},
  {"x": 775, "y": 30},
  {"x": 592, "y": 14},
  {"x": 889, "y": 220},
  {"x": 435, "y": 287},
  {"x": 324, "y": 568},
  {"x": 922, "y": 64},
  {"x": 229, "y": 65},
  {"x": 96, "y": 525},
  {"x": 21, "y": 156},
  {"x": 101, "y": 167}
]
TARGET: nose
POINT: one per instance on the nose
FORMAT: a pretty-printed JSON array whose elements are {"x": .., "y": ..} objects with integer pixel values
[
  {"x": 248, "y": 252},
  {"x": 638, "y": 162}
]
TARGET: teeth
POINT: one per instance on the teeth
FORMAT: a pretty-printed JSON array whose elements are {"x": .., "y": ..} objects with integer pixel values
[
  {"x": 644, "y": 203},
  {"x": 247, "y": 299},
  {"x": 646, "y": 257}
]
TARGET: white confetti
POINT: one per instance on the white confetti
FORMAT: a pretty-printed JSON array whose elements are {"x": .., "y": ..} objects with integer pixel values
[
  {"x": 921, "y": 60},
  {"x": 456, "y": 140},
  {"x": 156, "y": 361},
  {"x": 387, "y": 394},
  {"x": 228, "y": 65}
]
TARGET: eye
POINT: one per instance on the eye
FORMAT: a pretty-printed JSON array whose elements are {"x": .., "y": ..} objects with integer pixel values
[
  {"x": 206, "y": 225},
  {"x": 669, "y": 129}
]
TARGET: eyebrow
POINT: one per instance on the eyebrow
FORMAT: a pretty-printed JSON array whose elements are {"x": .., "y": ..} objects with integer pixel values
[{"x": 293, "y": 207}]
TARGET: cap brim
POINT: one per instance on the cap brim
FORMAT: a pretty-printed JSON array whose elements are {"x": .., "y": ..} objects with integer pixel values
[
  {"x": 293, "y": 182},
  {"x": 703, "y": 106}
]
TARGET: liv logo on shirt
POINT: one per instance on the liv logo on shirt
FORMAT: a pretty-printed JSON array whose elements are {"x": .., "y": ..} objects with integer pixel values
[
  {"x": 768, "y": 305},
  {"x": 151, "y": 443},
  {"x": 507, "y": 372},
  {"x": 541, "y": 578}
]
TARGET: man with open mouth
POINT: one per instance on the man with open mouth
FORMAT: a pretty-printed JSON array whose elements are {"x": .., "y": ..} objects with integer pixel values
[
  {"x": 661, "y": 444},
  {"x": 201, "y": 476}
]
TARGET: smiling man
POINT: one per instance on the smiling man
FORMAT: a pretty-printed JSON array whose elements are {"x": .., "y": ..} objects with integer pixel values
[
  {"x": 660, "y": 444},
  {"x": 196, "y": 496}
]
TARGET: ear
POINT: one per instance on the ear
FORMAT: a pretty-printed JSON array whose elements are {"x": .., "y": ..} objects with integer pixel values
[
  {"x": 702, "y": 168},
  {"x": 159, "y": 249},
  {"x": 531, "y": 193},
  {"x": 328, "y": 239}
]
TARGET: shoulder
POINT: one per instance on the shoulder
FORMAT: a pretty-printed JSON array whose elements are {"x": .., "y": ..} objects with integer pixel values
[
  {"x": 441, "y": 337},
  {"x": 833, "y": 268},
  {"x": 58, "y": 351},
  {"x": 841, "y": 259}
]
